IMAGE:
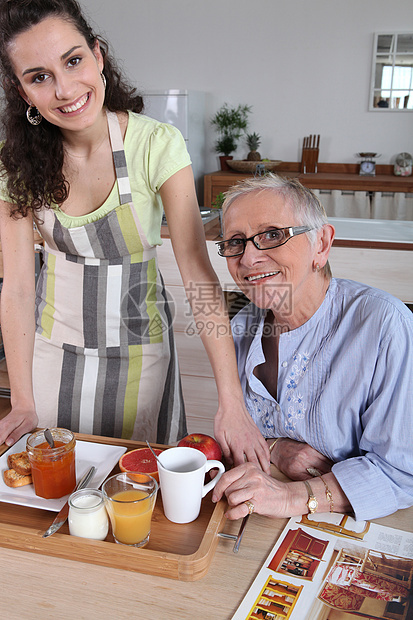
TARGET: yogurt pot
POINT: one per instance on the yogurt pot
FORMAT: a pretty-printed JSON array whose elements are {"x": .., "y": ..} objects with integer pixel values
[{"x": 87, "y": 514}]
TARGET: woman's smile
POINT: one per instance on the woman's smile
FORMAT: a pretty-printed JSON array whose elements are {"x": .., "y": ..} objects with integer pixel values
[
  {"x": 76, "y": 106},
  {"x": 261, "y": 276}
]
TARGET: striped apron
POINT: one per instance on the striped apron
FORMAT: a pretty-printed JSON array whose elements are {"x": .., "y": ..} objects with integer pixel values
[{"x": 105, "y": 361}]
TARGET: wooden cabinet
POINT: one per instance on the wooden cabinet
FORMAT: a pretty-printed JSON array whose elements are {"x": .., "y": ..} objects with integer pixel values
[
  {"x": 299, "y": 554},
  {"x": 277, "y": 599},
  {"x": 310, "y": 545}
]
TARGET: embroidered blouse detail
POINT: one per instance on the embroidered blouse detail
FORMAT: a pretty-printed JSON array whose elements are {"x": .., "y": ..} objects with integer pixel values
[{"x": 297, "y": 407}]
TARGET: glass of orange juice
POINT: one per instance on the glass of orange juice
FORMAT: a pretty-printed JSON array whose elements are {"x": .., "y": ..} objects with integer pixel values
[{"x": 130, "y": 499}]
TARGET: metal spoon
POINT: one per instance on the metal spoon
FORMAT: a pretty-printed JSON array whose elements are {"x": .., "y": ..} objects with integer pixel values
[
  {"x": 150, "y": 448},
  {"x": 49, "y": 437}
]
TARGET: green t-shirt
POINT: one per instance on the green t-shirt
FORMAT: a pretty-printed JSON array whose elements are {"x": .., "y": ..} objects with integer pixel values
[{"x": 154, "y": 152}]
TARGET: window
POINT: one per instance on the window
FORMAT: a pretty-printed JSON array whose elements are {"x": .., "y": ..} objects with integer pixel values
[{"x": 392, "y": 73}]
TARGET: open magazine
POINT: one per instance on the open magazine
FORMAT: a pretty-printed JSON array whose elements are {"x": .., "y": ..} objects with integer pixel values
[{"x": 331, "y": 567}]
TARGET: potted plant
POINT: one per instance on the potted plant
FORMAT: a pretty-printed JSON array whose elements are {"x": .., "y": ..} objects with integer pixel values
[
  {"x": 253, "y": 142},
  {"x": 230, "y": 123},
  {"x": 219, "y": 201}
]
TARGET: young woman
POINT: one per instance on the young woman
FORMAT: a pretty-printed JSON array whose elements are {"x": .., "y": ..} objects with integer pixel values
[{"x": 93, "y": 349}]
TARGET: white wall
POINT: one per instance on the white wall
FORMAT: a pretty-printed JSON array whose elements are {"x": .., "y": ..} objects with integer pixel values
[{"x": 304, "y": 66}]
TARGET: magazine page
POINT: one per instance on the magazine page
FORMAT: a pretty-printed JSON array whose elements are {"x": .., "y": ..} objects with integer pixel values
[{"x": 331, "y": 567}]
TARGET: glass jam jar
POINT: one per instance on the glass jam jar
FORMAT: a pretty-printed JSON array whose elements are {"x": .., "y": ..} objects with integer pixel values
[
  {"x": 87, "y": 514},
  {"x": 53, "y": 469}
]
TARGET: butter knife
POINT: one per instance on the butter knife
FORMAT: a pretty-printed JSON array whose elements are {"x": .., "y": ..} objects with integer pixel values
[
  {"x": 240, "y": 534},
  {"x": 237, "y": 538},
  {"x": 62, "y": 515}
]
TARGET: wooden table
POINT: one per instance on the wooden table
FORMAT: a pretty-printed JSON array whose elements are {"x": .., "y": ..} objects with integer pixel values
[{"x": 36, "y": 586}]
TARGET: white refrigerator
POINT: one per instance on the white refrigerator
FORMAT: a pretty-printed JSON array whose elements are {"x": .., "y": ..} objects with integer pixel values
[{"x": 185, "y": 109}]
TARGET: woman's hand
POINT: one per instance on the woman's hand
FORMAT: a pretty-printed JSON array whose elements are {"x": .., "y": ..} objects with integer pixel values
[
  {"x": 16, "y": 424},
  {"x": 239, "y": 436},
  {"x": 293, "y": 458},
  {"x": 269, "y": 496}
]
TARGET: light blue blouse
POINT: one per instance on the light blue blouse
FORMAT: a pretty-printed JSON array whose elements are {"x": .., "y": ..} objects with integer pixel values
[{"x": 345, "y": 387}]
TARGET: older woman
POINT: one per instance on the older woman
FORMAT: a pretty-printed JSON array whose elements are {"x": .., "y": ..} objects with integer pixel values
[{"x": 325, "y": 364}]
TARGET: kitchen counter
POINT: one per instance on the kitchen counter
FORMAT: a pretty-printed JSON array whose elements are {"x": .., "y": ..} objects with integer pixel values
[{"x": 382, "y": 234}]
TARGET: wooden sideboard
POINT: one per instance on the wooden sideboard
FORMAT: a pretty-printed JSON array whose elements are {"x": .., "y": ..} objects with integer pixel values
[{"x": 329, "y": 177}]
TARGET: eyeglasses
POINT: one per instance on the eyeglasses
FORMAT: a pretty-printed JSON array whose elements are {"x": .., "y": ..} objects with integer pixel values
[{"x": 263, "y": 241}]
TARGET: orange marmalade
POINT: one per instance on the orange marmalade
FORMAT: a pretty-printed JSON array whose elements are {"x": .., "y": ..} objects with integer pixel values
[{"x": 53, "y": 469}]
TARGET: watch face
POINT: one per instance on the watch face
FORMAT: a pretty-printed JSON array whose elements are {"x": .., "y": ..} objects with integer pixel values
[
  {"x": 367, "y": 167},
  {"x": 312, "y": 505}
]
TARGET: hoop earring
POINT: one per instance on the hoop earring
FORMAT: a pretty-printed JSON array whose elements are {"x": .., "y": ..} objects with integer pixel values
[
  {"x": 103, "y": 80},
  {"x": 33, "y": 115}
]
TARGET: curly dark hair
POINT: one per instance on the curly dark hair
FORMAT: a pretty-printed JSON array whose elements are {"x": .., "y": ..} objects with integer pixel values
[{"x": 32, "y": 156}]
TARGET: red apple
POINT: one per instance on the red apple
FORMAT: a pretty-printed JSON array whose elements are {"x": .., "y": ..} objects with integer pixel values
[{"x": 206, "y": 444}]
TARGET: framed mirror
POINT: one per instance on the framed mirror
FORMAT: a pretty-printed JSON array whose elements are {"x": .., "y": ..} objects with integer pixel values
[{"x": 392, "y": 73}]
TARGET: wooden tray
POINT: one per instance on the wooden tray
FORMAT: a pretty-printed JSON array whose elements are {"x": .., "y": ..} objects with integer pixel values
[{"x": 176, "y": 551}]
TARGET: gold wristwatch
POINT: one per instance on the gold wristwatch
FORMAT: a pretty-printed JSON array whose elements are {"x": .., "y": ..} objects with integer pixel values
[{"x": 312, "y": 503}]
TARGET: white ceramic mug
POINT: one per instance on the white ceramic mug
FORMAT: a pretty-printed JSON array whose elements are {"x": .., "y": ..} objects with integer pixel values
[{"x": 181, "y": 476}]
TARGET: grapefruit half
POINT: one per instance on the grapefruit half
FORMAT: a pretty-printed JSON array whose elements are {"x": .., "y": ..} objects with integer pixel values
[{"x": 140, "y": 460}]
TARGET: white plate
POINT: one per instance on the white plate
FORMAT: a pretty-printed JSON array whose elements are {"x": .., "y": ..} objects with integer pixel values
[{"x": 103, "y": 456}]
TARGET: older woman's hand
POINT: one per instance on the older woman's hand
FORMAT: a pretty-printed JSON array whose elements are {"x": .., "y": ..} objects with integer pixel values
[
  {"x": 247, "y": 482},
  {"x": 293, "y": 458}
]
